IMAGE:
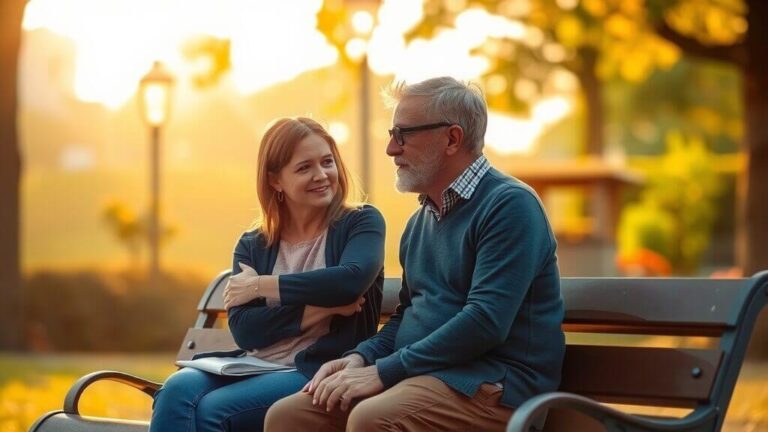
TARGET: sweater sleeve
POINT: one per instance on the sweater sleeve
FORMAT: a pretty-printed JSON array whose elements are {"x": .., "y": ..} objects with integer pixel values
[
  {"x": 382, "y": 343},
  {"x": 255, "y": 325},
  {"x": 361, "y": 261},
  {"x": 513, "y": 243}
]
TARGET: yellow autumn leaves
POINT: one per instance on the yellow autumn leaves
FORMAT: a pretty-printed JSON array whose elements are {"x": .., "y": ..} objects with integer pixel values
[{"x": 21, "y": 403}]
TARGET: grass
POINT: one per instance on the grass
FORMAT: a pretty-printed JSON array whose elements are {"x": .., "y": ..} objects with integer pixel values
[{"x": 31, "y": 385}]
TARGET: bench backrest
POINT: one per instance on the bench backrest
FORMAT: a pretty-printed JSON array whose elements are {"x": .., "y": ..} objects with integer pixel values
[
  {"x": 721, "y": 312},
  {"x": 600, "y": 365}
]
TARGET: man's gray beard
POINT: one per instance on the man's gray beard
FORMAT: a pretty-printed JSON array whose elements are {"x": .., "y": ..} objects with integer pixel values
[{"x": 418, "y": 179}]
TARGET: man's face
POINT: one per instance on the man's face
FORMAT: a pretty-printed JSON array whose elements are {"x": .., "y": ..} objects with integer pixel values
[{"x": 421, "y": 157}]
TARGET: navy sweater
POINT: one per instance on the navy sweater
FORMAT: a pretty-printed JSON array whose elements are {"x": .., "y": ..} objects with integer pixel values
[
  {"x": 354, "y": 257},
  {"x": 480, "y": 300}
]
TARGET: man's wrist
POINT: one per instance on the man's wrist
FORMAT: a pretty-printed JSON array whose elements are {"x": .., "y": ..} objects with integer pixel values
[
  {"x": 356, "y": 360},
  {"x": 391, "y": 370}
]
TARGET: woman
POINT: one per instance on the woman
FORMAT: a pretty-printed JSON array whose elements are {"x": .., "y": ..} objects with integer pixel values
[{"x": 306, "y": 284}]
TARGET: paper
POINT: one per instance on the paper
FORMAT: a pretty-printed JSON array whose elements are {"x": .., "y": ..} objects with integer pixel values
[{"x": 235, "y": 366}]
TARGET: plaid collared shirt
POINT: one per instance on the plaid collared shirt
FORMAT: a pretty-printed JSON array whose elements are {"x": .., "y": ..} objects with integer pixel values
[{"x": 460, "y": 190}]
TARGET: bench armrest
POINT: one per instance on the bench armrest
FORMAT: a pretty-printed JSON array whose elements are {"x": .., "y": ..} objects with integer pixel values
[
  {"x": 526, "y": 415},
  {"x": 72, "y": 399}
]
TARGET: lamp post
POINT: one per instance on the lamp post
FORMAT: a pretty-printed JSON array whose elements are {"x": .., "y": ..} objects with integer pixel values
[
  {"x": 155, "y": 97},
  {"x": 356, "y": 50}
]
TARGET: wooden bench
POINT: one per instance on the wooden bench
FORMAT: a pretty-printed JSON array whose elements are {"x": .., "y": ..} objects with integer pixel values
[
  {"x": 699, "y": 379},
  {"x": 209, "y": 333}
]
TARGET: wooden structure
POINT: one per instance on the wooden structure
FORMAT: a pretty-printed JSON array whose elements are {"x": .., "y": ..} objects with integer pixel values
[
  {"x": 588, "y": 249},
  {"x": 700, "y": 379}
]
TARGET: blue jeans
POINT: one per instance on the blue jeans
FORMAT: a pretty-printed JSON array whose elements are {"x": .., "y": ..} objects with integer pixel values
[{"x": 193, "y": 400}]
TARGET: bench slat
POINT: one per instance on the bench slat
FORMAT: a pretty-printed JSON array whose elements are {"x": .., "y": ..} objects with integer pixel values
[
  {"x": 640, "y": 375},
  {"x": 645, "y": 328},
  {"x": 654, "y": 304},
  {"x": 205, "y": 339},
  {"x": 616, "y": 305}
]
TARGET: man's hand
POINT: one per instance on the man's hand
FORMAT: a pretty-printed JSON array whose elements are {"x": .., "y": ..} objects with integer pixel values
[
  {"x": 242, "y": 287},
  {"x": 329, "y": 368},
  {"x": 348, "y": 384}
]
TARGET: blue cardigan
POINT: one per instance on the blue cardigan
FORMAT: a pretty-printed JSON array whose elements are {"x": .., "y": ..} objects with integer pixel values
[
  {"x": 480, "y": 300},
  {"x": 354, "y": 257}
]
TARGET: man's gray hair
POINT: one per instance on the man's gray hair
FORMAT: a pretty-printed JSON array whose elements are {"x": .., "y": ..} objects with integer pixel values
[{"x": 452, "y": 101}]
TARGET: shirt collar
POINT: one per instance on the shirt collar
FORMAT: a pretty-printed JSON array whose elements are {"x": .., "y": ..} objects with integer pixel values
[{"x": 461, "y": 189}]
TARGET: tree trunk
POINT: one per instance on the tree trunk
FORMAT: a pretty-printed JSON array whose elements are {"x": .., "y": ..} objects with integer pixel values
[
  {"x": 753, "y": 223},
  {"x": 11, "y": 13},
  {"x": 593, "y": 101},
  {"x": 754, "y": 256}
]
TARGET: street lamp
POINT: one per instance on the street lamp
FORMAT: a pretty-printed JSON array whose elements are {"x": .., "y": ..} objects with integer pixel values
[
  {"x": 155, "y": 97},
  {"x": 356, "y": 50}
]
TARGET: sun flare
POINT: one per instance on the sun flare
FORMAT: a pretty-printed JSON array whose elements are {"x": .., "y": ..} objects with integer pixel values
[{"x": 117, "y": 41}]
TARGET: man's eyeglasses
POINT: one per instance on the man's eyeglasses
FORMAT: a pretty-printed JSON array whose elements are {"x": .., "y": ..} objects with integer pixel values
[{"x": 398, "y": 133}]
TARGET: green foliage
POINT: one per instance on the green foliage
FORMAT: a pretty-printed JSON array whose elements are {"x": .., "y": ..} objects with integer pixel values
[
  {"x": 693, "y": 97},
  {"x": 677, "y": 210},
  {"x": 646, "y": 225},
  {"x": 99, "y": 311}
]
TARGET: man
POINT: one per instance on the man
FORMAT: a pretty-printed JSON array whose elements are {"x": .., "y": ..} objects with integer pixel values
[{"x": 477, "y": 331}]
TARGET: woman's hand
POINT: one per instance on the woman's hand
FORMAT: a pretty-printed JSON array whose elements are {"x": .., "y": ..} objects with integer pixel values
[
  {"x": 315, "y": 314},
  {"x": 242, "y": 287},
  {"x": 350, "y": 309}
]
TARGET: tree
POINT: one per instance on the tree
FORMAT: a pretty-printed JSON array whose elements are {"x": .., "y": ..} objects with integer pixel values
[
  {"x": 11, "y": 14},
  {"x": 593, "y": 39},
  {"x": 630, "y": 38},
  {"x": 749, "y": 54},
  {"x": 676, "y": 211}
]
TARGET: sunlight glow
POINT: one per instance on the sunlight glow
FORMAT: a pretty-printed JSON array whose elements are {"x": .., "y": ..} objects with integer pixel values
[
  {"x": 515, "y": 8},
  {"x": 362, "y": 22},
  {"x": 339, "y": 131},
  {"x": 551, "y": 110},
  {"x": 509, "y": 135},
  {"x": 355, "y": 49},
  {"x": 480, "y": 25},
  {"x": 117, "y": 41},
  {"x": 275, "y": 42},
  {"x": 450, "y": 52}
]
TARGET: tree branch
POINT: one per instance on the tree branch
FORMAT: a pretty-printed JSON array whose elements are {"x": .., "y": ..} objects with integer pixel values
[{"x": 734, "y": 54}]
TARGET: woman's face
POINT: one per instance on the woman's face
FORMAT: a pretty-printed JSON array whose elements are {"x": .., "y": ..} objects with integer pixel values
[{"x": 311, "y": 178}]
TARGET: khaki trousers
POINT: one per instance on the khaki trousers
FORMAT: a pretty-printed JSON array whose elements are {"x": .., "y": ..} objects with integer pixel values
[{"x": 422, "y": 403}]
